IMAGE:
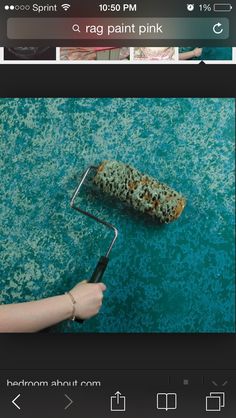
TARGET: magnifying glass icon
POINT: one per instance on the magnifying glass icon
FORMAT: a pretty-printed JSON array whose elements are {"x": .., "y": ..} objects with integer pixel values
[{"x": 75, "y": 28}]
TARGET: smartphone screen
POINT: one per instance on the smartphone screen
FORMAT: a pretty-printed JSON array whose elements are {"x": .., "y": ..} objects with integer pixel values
[{"x": 117, "y": 168}]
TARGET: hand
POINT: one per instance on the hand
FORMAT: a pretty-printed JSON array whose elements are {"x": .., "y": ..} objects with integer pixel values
[
  {"x": 88, "y": 298},
  {"x": 197, "y": 52}
]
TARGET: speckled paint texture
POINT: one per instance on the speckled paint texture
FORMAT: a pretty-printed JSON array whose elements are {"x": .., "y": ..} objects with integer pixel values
[{"x": 161, "y": 278}]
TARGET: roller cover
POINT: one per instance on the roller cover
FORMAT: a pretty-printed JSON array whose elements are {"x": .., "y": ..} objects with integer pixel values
[{"x": 142, "y": 192}]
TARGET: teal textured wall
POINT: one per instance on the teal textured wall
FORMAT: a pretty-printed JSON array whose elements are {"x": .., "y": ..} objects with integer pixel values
[{"x": 170, "y": 278}]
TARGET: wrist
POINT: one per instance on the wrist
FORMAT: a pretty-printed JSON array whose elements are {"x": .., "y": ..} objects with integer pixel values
[
  {"x": 64, "y": 306},
  {"x": 71, "y": 299}
]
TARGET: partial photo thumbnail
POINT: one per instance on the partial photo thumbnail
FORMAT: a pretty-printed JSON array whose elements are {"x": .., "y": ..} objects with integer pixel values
[
  {"x": 29, "y": 53},
  {"x": 154, "y": 53},
  {"x": 94, "y": 54},
  {"x": 206, "y": 54}
]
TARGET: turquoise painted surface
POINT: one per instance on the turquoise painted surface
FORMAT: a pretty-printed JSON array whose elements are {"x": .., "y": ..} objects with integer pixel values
[
  {"x": 211, "y": 54},
  {"x": 172, "y": 278}
]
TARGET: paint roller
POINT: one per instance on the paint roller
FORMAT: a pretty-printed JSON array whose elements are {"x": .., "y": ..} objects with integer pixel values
[{"x": 140, "y": 191}]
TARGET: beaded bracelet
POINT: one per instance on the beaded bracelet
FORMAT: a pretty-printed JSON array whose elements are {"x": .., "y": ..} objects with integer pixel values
[{"x": 73, "y": 317}]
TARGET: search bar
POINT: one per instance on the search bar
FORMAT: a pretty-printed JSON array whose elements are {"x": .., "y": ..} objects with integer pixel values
[{"x": 117, "y": 28}]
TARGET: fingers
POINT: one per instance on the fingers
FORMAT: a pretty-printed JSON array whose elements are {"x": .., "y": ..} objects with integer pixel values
[{"x": 102, "y": 286}]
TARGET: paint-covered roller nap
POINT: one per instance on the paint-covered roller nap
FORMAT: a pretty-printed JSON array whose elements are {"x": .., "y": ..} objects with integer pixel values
[{"x": 142, "y": 192}]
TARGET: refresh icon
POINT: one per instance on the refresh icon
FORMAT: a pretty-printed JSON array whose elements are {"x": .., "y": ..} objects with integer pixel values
[{"x": 218, "y": 29}]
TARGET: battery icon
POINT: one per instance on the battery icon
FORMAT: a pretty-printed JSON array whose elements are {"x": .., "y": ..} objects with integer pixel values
[{"x": 222, "y": 7}]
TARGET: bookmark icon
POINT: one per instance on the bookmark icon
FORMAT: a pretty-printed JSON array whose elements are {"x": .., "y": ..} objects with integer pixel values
[{"x": 167, "y": 401}]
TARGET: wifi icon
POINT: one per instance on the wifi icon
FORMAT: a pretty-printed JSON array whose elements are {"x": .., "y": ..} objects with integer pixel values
[{"x": 66, "y": 6}]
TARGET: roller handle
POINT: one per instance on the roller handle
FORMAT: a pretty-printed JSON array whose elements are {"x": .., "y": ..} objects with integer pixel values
[
  {"x": 97, "y": 275},
  {"x": 99, "y": 270}
]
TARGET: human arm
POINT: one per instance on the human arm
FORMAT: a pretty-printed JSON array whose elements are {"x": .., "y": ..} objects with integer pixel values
[
  {"x": 37, "y": 315},
  {"x": 194, "y": 53}
]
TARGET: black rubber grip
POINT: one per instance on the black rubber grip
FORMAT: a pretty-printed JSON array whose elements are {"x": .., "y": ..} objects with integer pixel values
[
  {"x": 99, "y": 270},
  {"x": 97, "y": 275}
]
